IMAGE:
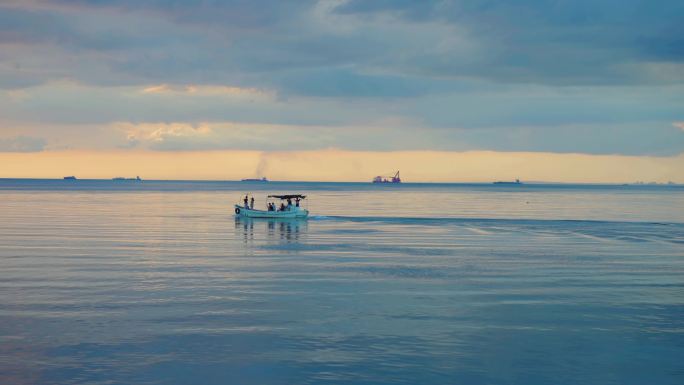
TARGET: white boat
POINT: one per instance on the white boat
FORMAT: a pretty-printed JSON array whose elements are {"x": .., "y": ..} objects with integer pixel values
[{"x": 286, "y": 211}]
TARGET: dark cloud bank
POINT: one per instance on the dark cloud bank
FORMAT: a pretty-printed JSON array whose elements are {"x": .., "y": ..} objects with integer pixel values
[{"x": 615, "y": 69}]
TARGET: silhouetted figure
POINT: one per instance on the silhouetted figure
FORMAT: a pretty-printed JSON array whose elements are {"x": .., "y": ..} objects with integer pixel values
[
  {"x": 297, "y": 202},
  {"x": 282, "y": 206},
  {"x": 251, "y": 203},
  {"x": 289, "y": 202},
  {"x": 246, "y": 200}
]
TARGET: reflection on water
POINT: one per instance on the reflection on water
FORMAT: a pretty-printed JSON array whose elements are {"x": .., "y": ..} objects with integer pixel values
[
  {"x": 164, "y": 287},
  {"x": 285, "y": 229}
]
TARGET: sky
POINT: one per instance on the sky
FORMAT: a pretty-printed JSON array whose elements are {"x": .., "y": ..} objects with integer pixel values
[{"x": 462, "y": 90}]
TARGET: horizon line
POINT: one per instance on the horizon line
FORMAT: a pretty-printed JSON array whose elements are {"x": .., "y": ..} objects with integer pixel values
[{"x": 523, "y": 183}]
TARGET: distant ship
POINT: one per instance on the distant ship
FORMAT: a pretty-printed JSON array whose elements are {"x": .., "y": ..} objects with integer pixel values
[
  {"x": 387, "y": 179},
  {"x": 137, "y": 178},
  {"x": 70, "y": 177},
  {"x": 255, "y": 180},
  {"x": 517, "y": 181}
]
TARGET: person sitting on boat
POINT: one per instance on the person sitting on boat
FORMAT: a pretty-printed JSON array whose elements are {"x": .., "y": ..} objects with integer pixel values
[
  {"x": 271, "y": 206},
  {"x": 251, "y": 204},
  {"x": 246, "y": 200},
  {"x": 282, "y": 206}
]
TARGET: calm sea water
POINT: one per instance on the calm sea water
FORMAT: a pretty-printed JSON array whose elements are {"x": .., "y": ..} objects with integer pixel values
[{"x": 106, "y": 282}]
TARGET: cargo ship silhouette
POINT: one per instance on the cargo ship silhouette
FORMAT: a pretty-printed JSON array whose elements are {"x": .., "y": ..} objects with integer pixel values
[
  {"x": 387, "y": 179},
  {"x": 516, "y": 182}
]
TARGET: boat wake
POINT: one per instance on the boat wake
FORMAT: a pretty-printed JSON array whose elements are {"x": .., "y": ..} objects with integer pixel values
[
  {"x": 457, "y": 220},
  {"x": 322, "y": 217},
  {"x": 667, "y": 232}
]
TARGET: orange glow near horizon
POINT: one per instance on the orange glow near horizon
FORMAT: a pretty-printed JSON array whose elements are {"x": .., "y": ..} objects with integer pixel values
[{"x": 338, "y": 165}]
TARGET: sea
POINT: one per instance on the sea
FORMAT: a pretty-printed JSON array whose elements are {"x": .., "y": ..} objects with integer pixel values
[{"x": 158, "y": 282}]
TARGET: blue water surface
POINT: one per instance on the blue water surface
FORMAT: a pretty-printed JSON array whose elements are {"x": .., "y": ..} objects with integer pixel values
[{"x": 156, "y": 282}]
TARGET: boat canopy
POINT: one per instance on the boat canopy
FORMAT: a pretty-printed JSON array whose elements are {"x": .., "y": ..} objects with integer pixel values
[{"x": 293, "y": 196}]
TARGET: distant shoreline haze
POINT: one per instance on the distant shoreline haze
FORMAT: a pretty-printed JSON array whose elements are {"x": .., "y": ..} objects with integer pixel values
[
  {"x": 281, "y": 182},
  {"x": 346, "y": 166}
]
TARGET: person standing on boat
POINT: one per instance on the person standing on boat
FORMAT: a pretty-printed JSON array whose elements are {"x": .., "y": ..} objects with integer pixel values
[
  {"x": 297, "y": 201},
  {"x": 251, "y": 204},
  {"x": 246, "y": 200}
]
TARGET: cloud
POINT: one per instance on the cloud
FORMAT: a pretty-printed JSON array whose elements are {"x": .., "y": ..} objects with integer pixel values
[
  {"x": 348, "y": 47},
  {"x": 566, "y": 76},
  {"x": 160, "y": 133},
  {"x": 208, "y": 90},
  {"x": 180, "y": 136},
  {"x": 158, "y": 89},
  {"x": 345, "y": 83},
  {"x": 600, "y": 120},
  {"x": 641, "y": 138},
  {"x": 22, "y": 144},
  {"x": 561, "y": 42}
]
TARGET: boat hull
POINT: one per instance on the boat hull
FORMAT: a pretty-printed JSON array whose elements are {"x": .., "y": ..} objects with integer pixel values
[{"x": 250, "y": 213}]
